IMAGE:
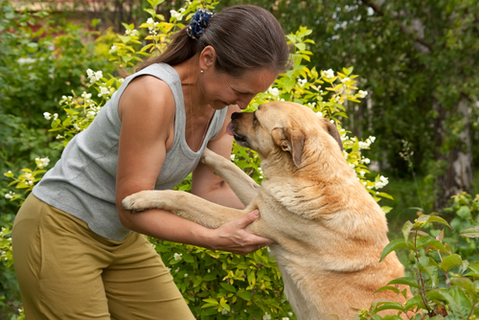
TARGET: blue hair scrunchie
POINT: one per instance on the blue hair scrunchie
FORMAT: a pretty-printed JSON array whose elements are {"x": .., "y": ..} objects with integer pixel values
[{"x": 198, "y": 23}]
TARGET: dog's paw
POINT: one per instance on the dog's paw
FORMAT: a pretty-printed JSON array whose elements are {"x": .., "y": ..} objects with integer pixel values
[
  {"x": 136, "y": 202},
  {"x": 206, "y": 157}
]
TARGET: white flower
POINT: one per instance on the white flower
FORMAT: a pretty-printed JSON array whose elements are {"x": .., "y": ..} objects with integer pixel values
[
  {"x": 177, "y": 256},
  {"x": 186, "y": 275},
  {"x": 177, "y": 14},
  {"x": 113, "y": 49},
  {"x": 9, "y": 196},
  {"x": 85, "y": 95},
  {"x": 383, "y": 181},
  {"x": 232, "y": 157},
  {"x": 90, "y": 73},
  {"x": 75, "y": 125},
  {"x": 365, "y": 161},
  {"x": 58, "y": 137},
  {"x": 224, "y": 311},
  {"x": 91, "y": 114},
  {"x": 28, "y": 176},
  {"x": 150, "y": 21},
  {"x": 302, "y": 82},
  {"x": 362, "y": 172},
  {"x": 274, "y": 92},
  {"x": 103, "y": 91},
  {"x": 319, "y": 114},
  {"x": 55, "y": 116},
  {"x": 47, "y": 115},
  {"x": 345, "y": 80},
  {"x": 362, "y": 94},
  {"x": 267, "y": 316},
  {"x": 94, "y": 76},
  {"x": 329, "y": 73},
  {"x": 363, "y": 145},
  {"x": 132, "y": 32},
  {"x": 42, "y": 162}
]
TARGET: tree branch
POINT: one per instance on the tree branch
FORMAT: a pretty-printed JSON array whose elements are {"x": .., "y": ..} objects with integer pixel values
[{"x": 404, "y": 29}]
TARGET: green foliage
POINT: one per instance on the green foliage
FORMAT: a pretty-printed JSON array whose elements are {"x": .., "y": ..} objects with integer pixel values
[
  {"x": 444, "y": 284},
  {"x": 220, "y": 285}
]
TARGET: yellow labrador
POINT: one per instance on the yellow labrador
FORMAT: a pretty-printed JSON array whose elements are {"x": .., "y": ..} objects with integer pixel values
[{"x": 329, "y": 231}]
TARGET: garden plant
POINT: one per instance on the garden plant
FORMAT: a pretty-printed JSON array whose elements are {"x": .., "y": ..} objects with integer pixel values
[{"x": 440, "y": 256}]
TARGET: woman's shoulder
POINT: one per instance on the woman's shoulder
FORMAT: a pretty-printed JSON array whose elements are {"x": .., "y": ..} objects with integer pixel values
[{"x": 147, "y": 94}]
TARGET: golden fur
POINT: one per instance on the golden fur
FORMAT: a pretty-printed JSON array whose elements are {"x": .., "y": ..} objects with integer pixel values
[{"x": 329, "y": 231}]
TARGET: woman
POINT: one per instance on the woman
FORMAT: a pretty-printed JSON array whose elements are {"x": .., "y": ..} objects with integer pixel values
[{"x": 77, "y": 253}]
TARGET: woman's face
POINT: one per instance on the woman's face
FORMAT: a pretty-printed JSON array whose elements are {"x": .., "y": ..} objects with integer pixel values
[{"x": 221, "y": 89}]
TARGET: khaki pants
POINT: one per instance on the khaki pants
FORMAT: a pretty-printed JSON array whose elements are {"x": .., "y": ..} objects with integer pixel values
[{"x": 67, "y": 272}]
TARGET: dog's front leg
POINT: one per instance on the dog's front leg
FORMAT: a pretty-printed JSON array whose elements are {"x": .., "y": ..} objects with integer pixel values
[
  {"x": 201, "y": 211},
  {"x": 243, "y": 186}
]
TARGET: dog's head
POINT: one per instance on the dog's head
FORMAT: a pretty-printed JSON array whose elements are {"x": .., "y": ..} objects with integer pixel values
[{"x": 284, "y": 127}]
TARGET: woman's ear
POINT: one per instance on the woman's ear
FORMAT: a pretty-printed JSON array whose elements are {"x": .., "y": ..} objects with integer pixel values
[{"x": 207, "y": 57}]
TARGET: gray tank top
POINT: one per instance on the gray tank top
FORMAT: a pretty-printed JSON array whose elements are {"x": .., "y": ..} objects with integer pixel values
[{"x": 82, "y": 182}]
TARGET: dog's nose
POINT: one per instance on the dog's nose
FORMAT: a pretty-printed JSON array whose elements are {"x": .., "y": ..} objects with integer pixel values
[{"x": 235, "y": 115}]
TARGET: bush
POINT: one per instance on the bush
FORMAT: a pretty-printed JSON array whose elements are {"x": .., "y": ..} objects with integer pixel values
[{"x": 444, "y": 265}]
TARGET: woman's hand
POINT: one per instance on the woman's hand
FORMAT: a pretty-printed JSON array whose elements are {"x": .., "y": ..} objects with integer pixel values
[{"x": 233, "y": 237}]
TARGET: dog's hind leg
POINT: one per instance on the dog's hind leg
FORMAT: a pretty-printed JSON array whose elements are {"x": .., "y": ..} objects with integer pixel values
[{"x": 243, "y": 186}]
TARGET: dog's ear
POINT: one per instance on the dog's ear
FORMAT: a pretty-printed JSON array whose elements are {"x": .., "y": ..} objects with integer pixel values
[
  {"x": 290, "y": 140},
  {"x": 333, "y": 131}
]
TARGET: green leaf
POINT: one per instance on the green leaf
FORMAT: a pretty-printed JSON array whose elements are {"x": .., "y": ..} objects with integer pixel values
[
  {"x": 455, "y": 298},
  {"x": 209, "y": 277},
  {"x": 450, "y": 261},
  {"x": 437, "y": 219},
  {"x": 414, "y": 302},
  {"x": 245, "y": 295},
  {"x": 228, "y": 287},
  {"x": 409, "y": 281},
  {"x": 466, "y": 284},
  {"x": 406, "y": 229},
  {"x": 393, "y": 245},
  {"x": 386, "y": 209},
  {"x": 471, "y": 232},
  {"x": 390, "y": 305},
  {"x": 464, "y": 212},
  {"x": 391, "y": 288},
  {"x": 474, "y": 267},
  {"x": 9, "y": 174},
  {"x": 428, "y": 241},
  {"x": 211, "y": 301},
  {"x": 251, "y": 278},
  {"x": 383, "y": 194}
]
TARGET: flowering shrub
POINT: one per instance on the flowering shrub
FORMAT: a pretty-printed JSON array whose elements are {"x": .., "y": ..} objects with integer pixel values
[
  {"x": 217, "y": 285},
  {"x": 444, "y": 284}
]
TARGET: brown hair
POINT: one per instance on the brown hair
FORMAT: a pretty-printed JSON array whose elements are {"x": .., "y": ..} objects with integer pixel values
[{"x": 245, "y": 37}]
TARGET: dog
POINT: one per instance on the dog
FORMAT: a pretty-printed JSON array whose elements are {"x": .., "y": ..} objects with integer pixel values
[{"x": 329, "y": 231}]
